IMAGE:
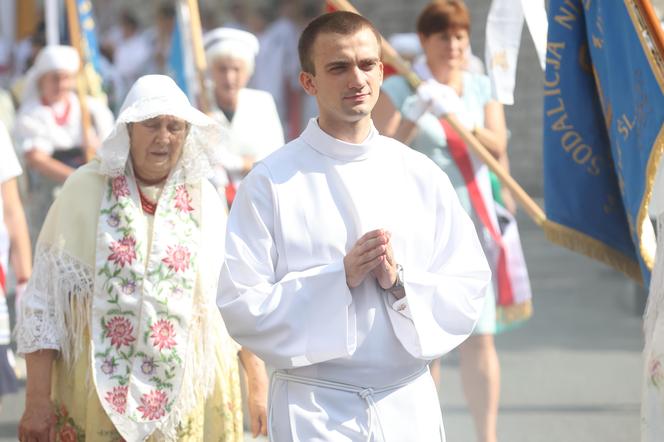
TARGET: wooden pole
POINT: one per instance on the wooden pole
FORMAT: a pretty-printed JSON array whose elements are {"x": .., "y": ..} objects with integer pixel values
[
  {"x": 75, "y": 37},
  {"x": 653, "y": 24},
  {"x": 199, "y": 53},
  {"x": 403, "y": 68}
]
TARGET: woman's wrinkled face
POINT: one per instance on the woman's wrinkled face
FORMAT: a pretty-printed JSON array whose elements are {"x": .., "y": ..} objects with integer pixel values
[
  {"x": 446, "y": 48},
  {"x": 156, "y": 146},
  {"x": 230, "y": 75},
  {"x": 55, "y": 85}
]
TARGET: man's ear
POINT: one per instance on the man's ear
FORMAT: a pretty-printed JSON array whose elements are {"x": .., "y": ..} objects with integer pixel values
[
  {"x": 307, "y": 83},
  {"x": 382, "y": 72}
]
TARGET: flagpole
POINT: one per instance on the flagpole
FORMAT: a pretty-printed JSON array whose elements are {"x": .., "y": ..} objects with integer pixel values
[
  {"x": 199, "y": 54},
  {"x": 653, "y": 24},
  {"x": 75, "y": 38},
  {"x": 403, "y": 68}
]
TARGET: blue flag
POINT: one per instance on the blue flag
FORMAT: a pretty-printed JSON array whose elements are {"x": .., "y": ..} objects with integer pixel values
[
  {"x": 176, "y": 59},
  {"x": 603, "y": 114},
  {"x": 89, "y": 34}
]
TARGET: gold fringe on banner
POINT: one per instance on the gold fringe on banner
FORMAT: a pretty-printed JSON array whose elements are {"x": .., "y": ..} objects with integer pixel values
[
  {"x": 652, "y": 41},
  {"x": 592, "y": 248},
  {"x": 510, "y": 314}
]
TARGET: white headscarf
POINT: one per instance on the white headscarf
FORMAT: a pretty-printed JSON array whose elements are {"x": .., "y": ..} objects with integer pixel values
[
  {"x": 230, "y": 42},
  {"x": 152, "y": 96},
  {"x": 50, "y": 58}
]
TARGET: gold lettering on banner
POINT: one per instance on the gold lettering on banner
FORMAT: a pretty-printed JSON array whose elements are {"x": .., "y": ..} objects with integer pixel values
[
  {"x": 584, "y": 59},
  {"x": 571, "y": 141},
  {"x": 597, "y": 42},
  {"x": 569, "y": 12},
  {"x": 561, "y": 124},
  {"x": 625, "y": 126}
]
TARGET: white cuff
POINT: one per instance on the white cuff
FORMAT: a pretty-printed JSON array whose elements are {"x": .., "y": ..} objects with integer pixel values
[{"x": 401, "y": 306}]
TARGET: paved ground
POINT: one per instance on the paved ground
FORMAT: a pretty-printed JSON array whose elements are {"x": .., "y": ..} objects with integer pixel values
[{"x": 572, "y": 373}]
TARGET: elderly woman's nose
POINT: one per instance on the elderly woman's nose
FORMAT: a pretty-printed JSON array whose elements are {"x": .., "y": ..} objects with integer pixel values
[{"x": 163, "y": 134}]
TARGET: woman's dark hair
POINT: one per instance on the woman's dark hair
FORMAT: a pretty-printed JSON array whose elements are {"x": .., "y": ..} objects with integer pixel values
[{"x": 443, "y": 15}]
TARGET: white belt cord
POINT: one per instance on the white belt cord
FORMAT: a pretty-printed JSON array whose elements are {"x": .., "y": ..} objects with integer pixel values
[{"x": 365, "y": 393}]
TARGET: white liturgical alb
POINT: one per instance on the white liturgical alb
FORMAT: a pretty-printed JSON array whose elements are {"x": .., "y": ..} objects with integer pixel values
[{"x": 283, "y": 291}]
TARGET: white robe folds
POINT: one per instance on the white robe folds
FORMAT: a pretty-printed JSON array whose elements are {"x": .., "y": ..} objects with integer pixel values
[
  {"x": 283, "y": 291},
  {"x": 255, "y": 130}
]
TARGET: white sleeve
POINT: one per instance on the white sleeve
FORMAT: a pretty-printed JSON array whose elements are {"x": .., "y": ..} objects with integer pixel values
[
  {"x": 444, "y": 301},
  {"x": 31, "y": 132},
  {"x": 9, "y": 165},
  {"x": 298, "y": 319},
  {"x": 45, "y": 316},
  {"x": 273, "y": 132}
]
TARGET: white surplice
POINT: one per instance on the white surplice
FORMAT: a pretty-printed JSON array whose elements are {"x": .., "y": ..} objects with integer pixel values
[{"x": 283, "y": 291}]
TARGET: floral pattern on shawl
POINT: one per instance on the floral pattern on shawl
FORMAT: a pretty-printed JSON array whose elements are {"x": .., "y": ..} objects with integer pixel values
[{"x": 140, "y": 331}]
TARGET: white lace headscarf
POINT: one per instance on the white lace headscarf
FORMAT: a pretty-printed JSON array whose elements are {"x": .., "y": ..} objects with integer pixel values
[{"x": 152, "y": 96}]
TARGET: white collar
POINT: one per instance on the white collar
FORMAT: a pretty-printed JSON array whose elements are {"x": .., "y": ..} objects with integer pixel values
[{"x": 329, "y": 146}]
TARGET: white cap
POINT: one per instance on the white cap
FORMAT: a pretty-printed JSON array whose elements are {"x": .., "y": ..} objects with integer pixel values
[
  {"x": 230, "y": 42},
  {"x": 50, "y": 58}
]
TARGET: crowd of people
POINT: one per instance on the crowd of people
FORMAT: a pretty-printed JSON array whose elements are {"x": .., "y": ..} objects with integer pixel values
[
  {"x": 354, "y": 256},
  {"x": 125, "y": 271}
]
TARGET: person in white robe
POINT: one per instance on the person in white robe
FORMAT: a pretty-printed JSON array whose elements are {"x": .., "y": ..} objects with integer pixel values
[
  {"x": 249, "y": 116},
  {"x": 48, "y": 129},
  {"x": 350, "y": 263}
]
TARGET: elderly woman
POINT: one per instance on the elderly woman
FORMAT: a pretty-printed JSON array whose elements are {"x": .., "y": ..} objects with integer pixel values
[
  {"x": 120, "y": 310},
  {"x": 414, "y": 118},
  {"x": 250, "y": 116},
  {"x": 48, "y": 129}
]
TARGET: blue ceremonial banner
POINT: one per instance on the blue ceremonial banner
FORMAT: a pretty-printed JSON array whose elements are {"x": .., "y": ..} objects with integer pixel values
[
  {"x": 603, "y": 114},
  {"x": 89, "y": 34}
]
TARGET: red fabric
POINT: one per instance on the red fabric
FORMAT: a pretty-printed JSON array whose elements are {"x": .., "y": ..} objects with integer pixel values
[
  {"x": 3, "y": 279},
  {"x": 461, "y": 157},
  {"x": 230, "y": 194}
]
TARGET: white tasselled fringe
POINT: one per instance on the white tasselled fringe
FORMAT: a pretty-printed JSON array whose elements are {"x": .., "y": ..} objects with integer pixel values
[
  {"x": 201, "y": 366},
  {"x": 54, "y": 311}
]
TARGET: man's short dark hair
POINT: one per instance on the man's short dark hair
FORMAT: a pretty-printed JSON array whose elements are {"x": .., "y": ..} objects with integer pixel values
[{"x": 338, "y": 22}]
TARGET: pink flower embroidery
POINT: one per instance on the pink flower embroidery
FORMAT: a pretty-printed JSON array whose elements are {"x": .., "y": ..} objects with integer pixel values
[
  {"x": 124, "y": 251},
  {"x": 182, "y": 199},
  {"x": 153, "y": 405},
  {"x": 120, "y": 331},
  {"x": 119, "y": 187},
  {"x": 177, "y": 259},
  {"x": 68, "y": 434},
  {"x": 163, "y": 335},
  {"x": 118, "y": 398}
]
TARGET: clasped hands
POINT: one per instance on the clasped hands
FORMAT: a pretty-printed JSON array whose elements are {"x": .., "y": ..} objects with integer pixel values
[
  {"x": 431, "y": 96},
  {"x": 371, "y": 254}
]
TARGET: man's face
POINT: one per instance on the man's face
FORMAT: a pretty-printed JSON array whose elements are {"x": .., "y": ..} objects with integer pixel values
[
  {"x": 348, "y": 76},
  {"x": 229, "y": 76},
  {"x": 156, "y": 145}
]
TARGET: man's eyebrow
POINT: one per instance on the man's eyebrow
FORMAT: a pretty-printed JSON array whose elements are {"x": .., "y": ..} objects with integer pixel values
[{"x": 337, "y": 63}]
